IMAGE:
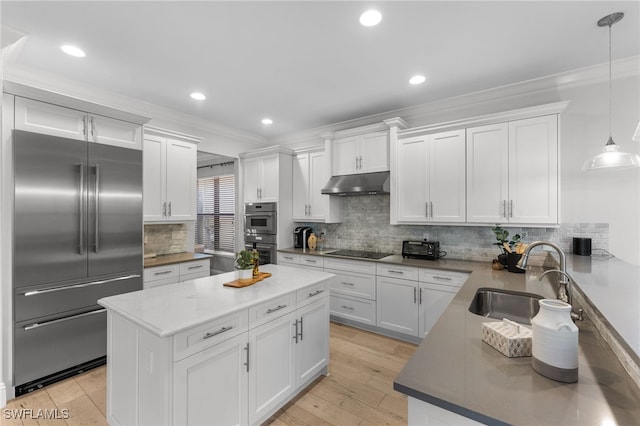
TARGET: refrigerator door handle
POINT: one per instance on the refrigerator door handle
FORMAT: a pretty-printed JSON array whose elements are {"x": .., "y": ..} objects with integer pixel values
[
  {"x": 96, "y": 244},
  {"x": 59, "y": 320},
  {"x": 69, "y": 287},
  {"x": 81, "y": 210}
]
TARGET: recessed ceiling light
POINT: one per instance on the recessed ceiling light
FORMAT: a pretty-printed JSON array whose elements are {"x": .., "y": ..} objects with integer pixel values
[
  {"x": 73, "y": 51},
  {"x": 370, "y": 18},
  {"x": 417, "y": 79},
  {"x": 198, "y": 96},
  {"x": 267, "y": 121}
]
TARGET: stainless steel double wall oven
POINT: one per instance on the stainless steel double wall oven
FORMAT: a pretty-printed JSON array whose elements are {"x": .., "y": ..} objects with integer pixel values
[{"x": 261, "y": 229}]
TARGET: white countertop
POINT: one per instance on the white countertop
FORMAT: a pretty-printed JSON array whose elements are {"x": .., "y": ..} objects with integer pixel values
[{"x": 170, "y": 309}]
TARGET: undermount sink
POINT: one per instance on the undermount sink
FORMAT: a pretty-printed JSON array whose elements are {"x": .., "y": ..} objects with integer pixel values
[{"x": 497, "y": 303}]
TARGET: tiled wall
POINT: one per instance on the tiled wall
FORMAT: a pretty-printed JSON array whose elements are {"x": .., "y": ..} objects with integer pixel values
[
  {"x": 366, "y": 227},
  {"x": 165, "y": 239}
]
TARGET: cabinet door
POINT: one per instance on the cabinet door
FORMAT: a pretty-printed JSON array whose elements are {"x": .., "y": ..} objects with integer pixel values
[
  {"x": 312, "y": 349},
  {"x": 271, "y": 366},
  {"x": 397, "y": 305},
  {"x": 433, "y": 299},
  {"x": 318, "y": 178},
  {"x": 270, "y": 178},
  {"x": 109, "y": 131},
  {"x": 300, "y": 187},
  {"x": 413, "y": 180},
  {"x": 211, "y": 387},
  {"x": 447, "y": 170},
  {"x": 48, "y": 119},
  {"x": 181, "y": 180},
  {"x": 374, "y": 150},
  {"x": 345, "y": 156},
  {"x": 252, "y": 170},
  {"x": 153, "y": 178},
  {"x": 487, "y": 173},
  {"x": 533, "y": 170}
]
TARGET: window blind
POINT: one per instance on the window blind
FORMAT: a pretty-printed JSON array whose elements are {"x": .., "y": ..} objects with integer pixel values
[{"x": 215, "y": 227}]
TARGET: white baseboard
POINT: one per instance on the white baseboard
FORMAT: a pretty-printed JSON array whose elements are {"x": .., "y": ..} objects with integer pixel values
[{"x": 3, "y": 395}]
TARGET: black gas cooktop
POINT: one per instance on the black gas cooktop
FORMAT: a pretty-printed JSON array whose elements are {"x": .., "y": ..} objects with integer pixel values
[{"x": 359, "y": 253}]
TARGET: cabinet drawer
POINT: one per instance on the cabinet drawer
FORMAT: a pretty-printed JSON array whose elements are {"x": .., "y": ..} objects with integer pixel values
[
  {"x": 351, "y": 284},
  {"x": 352, "y": 308},
  {"x": 189, "y": 268},
  {"x": 288, "y": 258},
  {"x": 311, "y": 260},
  {"x": 360, "y": 266},
  {"x": 456, "y": 279},
  {"x": 394, "y": 271},
  {"x": 272, "y": 309},
  {"x": 311, "y": 294},
  {"x": 162, "y": 273},
  {"x": 199, "y": 338}
]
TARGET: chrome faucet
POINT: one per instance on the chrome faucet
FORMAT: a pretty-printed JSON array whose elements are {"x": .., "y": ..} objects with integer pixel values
[{"x": 564, "y": 291}]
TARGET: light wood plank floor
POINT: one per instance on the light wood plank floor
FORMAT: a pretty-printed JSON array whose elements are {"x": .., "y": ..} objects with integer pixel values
[{"x": 358, "y": 390}]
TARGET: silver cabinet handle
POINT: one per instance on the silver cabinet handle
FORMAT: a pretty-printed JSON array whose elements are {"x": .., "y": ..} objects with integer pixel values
[
  {"x": 420, "y": 296},
  {"x": 69, "y": 287},
  {"x": 510, "y": 208},
  {"x": 316, "y": 293},
  {"x": 301, "y": 332},
  {"x": 287, "y": 257},
  {"x": 442, "y": 278},
  {"x": 295, "y": 333},
  {"x": 246, "y": 348},
  {"x": 347, "y": 307},
  {"x": 169, "y": 208},
  {"x": 215, "y": 333},
  {"x": 59, "y": 320},
  {"x": 164, "y": 208},
  {"x": 277, "y": 308},
  {"x": 96, "y": 196},
  {"x": 504, "y": 208},
  {"x": 426, "y": 209},
  {"x": 84, "y": 126},
  {"x": 415, "y": 295},
  {"x": 347, "y": 283},
  {"x": 431, "y": 204},
  {"x": 311, "y": 261},
  {"x": 93, "y": 128},
  {"x": 162, "y": 272},
  {"x": 194, "y": 267},
  {"x": 392, "y": 271},
  {"x": 81, "y": 210},
  {"x": 257, "y": 193}
]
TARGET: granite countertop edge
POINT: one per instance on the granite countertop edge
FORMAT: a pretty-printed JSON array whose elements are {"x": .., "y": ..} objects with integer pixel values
[{"x": 173, "y": 258}]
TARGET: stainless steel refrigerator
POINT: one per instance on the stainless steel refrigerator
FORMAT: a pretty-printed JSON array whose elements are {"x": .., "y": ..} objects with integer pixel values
[{"x": 78, "y": 237}]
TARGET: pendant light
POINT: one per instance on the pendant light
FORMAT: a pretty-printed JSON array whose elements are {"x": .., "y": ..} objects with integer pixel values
[{"x": 611, "y": 157}]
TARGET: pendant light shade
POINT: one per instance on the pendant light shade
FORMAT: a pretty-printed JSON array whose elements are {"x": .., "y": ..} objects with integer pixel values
[{"x": 611, "y": 157}]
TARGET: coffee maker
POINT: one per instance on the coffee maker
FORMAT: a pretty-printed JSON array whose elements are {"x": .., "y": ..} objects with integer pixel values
[{"x": 301, "y": 237}]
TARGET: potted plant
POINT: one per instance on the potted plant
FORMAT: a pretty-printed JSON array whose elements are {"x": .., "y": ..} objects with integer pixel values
[
  {"x": 508, "y": 245},
  {"x": 245, "y": 260}
]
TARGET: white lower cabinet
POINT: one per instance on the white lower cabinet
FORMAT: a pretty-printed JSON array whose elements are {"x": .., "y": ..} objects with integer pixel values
[
  {"x": 230, "y": 371},
  {"x": 397, "y": 307},
  {"x": 211, "y": 387}
]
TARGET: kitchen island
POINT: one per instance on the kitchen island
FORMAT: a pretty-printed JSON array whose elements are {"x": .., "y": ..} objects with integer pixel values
[{"x": 199, "y": 352}]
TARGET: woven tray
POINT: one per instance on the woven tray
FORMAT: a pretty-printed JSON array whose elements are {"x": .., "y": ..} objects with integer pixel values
[{"x": 239, "y": 284}]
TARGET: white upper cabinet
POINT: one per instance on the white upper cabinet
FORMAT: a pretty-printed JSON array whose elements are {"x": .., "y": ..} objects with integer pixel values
[
  {"x": 364, "y": 153},
  {"x": 55, "y": 120},
  {"x": 310, "y": 174},
  {"x": 512, "y": 172},
  {"x": 431, "y": 178},
  {"x": 262, "y": 178},
  {"x": 169, "y": 179}
]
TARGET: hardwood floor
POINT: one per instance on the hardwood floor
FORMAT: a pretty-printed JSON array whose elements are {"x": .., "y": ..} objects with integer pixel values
[{"x": 357, "y": 391}]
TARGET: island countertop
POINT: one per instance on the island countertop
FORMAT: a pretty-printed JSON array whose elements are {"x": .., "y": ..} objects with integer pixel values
[{"x": 170, "y": 309}]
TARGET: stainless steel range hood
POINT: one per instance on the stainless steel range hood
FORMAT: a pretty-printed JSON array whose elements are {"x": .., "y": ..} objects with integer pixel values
[{"x": 363, "y": 184}]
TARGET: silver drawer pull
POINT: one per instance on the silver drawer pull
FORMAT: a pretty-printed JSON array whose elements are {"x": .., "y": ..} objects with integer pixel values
[
  {"x": 195, "y": 267},
  {"x": 316, "y": 293},
  {"x": 270, "y": 311},
  {"x": 347, "y": 307},
  {"x": 346, "y": 283},
  {"x": 287, "y": 257},
  {"x": 311, "y": 261},
  {"x": 162, "y": 273},
  {"x": 59, "y": 320},
  {"x": 395, "y": 272},
  {"x": 442, "y": 278},
  {"x": 215, "y": 333},
  {"x": 69, "y": 287}
]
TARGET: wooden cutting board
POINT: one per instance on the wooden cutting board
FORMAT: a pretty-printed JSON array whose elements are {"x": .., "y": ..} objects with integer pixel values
[{"x": 239, "y": 284}]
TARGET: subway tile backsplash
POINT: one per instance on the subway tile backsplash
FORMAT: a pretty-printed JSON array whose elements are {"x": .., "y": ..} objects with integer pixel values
[
  {"x": 366, "y": 227},
  {"x": 165, "y": 238}
]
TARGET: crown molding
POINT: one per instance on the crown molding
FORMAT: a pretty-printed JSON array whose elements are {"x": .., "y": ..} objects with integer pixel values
[{"x": 275, "y": 149}]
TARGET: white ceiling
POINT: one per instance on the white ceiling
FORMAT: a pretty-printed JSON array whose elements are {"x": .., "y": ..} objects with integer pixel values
[{"x": 307, "y": 64}]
